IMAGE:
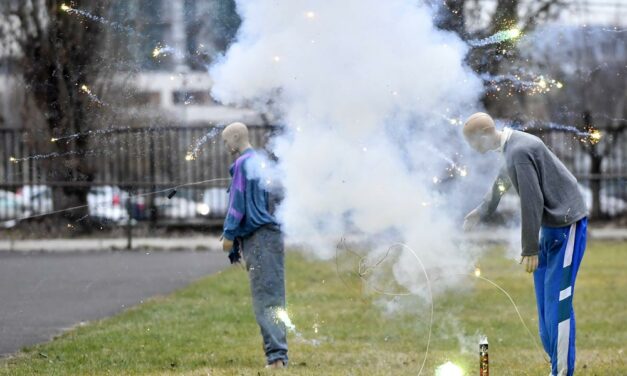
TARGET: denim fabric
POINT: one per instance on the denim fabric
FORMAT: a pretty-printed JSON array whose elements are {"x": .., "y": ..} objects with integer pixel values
[{"x": 264, "y": 254}]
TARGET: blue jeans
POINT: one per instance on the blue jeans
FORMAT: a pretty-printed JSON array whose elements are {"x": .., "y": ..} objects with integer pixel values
[{"x": 264, "y": 255}]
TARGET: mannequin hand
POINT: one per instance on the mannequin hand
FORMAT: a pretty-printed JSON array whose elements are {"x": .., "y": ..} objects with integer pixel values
[
  {"x": 227, "y": 245},
  {"x": 471, "y": 220},
  {"x": 530, "y": 263}
]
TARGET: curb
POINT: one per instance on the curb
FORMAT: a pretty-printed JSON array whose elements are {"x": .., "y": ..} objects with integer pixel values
[{"x": 95, "y": 245}]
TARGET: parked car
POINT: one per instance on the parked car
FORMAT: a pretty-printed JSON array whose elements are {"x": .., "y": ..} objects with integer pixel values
[
  {"x": 38, "y": 198},
  {"x": 175, "y": 208},
  {"x": 12, "y": 206},
  {"x": 181, "y": 206},
  {"x": 216, "y": 201},
  {"x": 106, "y": 203},
  {"x": 610, "y": 205}
]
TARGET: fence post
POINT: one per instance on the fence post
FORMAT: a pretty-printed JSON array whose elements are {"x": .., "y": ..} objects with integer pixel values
[{"x": 129, "y": 227}]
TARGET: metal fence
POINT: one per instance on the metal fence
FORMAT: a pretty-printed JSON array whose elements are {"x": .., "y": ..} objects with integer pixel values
[
  {"x": 128, "y": 174},
  {"x": 603, "y": 178},
  {"x": 123, "y": 168}
]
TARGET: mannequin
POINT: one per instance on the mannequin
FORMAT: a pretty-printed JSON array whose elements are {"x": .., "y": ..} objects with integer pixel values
[
  {"x": 251, "y": 231},
  {"x": 553, "y": 227},
  {"x": 235, "y": 136},
  {"x": 480, "y": 132}
]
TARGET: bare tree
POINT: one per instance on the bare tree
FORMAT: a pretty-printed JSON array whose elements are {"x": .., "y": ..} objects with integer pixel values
[
  {"x": 590, "y": 63},
  {"x": 458, "y": 15},
  {"x": 60, "y": 59}
]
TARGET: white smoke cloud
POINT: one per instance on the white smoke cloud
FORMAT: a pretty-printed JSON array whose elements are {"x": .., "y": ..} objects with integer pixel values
[{"x": 366, "y": 90}]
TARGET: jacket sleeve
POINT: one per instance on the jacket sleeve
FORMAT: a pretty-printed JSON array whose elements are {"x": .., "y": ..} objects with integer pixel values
[
  {"x": 237, "y": 202},
  {"x": 531, "y": 207},
  {"x": 491, "y": 200}
]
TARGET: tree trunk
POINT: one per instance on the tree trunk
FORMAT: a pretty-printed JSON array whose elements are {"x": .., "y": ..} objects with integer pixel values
[
  {"x": 596, "y": 161},
  {"x": 595, "y": 185},
  {"x": 59, "y": 57}
]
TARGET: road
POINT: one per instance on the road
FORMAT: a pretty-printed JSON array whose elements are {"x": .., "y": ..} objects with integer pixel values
[{"x": 43, "y": 294}]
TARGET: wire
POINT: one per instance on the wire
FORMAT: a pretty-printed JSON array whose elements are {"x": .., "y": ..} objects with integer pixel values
[{"x": 364, "y": 270}]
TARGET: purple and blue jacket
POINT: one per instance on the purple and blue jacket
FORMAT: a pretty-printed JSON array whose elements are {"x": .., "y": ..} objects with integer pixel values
[{"x": 248, "y": 208}]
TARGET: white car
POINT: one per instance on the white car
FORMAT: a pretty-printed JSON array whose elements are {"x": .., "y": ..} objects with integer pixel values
[
  {"x": 38, "y": 198},
  {"x": 178, "y": 208},
  {"x": 107, "y": 203},
  {"x": 12, "y": 208},
  {"x": 610, "y": 205},
  {"x": 216, "y": 201}
]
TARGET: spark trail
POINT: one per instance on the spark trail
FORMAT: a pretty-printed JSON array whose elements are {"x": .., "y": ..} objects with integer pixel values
[
  {"x": 51, "y": 155},
  {"x": 117, "y": 26},
  {"x": 517, "y": 83},
  {"x": 452, "y": 169},
  {"x": 499, "y": 37},
  {"x": 592, "y": 135},
  {"x": 164, "y": 50},
  {"x": 158, "y": 51},
  {"x": 85, "y": 89},
  {"x": 87, "y": 133},
  {"x": 193, "y": 153}
]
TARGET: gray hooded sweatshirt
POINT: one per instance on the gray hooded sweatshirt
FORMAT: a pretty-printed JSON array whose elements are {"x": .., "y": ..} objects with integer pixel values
[{"x": 549, "y": 194}]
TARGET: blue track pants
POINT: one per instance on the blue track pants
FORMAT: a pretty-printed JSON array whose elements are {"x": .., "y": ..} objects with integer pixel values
[{"x": 561, "y": 252}]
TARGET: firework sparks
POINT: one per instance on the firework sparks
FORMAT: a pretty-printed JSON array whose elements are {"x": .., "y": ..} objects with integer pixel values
[
  {"x": 595, "y": 136},
  {"x": 449, "y": 369},
  {"x": 590, "y": 135},
  {"x": 501, "y": 187},
  {"x": 477, "y": 272},
  {"x": 281, "y": 315},
  {"x": 519, "y": 83},
  {"x": 453, "y": 167},
  {"x": 87, "y": 133},
  {"x": 193, "y": 153},
  {"x": 73, "y": 11},
  {"x": 164, "y": 50},
  {"x": 51, "y": 155},
  {"x": 499, "y": 37},
  {"x": 85, "y": 89}
]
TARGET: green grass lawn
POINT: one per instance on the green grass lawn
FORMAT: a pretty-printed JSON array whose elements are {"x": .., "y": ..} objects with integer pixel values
[{"x": 208, "y": 328}]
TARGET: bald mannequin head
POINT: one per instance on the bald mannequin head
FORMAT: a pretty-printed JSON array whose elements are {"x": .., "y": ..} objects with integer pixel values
[
  {"x": 480, "y": 132},
  {"x": 235, "y": 137}
]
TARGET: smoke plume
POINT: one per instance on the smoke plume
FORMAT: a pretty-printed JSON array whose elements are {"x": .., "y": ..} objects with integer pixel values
[{"x": 370, "y": 94}]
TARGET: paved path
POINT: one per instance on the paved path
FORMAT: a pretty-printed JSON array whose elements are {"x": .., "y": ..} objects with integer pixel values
[
  {"x": 42, "y": 294},
  {"x": 99, "y": 244}
]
